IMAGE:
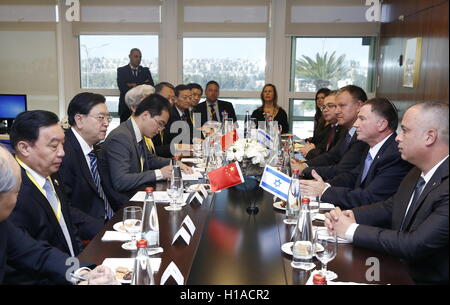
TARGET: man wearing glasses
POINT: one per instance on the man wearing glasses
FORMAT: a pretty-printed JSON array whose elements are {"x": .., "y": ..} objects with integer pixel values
[
  {"x": 84, "y": 182},
  {"x": 125, "y": 156},
  {"x": 332, "y": 130},
  {"x": 179, "y": 127}
]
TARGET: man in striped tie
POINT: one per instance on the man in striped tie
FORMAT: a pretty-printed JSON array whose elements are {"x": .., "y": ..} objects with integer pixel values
[{"x": 89, "y": 119}]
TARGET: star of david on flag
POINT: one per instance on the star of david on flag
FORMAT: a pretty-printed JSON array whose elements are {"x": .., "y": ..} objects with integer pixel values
[{"x": 275, "y": 182}]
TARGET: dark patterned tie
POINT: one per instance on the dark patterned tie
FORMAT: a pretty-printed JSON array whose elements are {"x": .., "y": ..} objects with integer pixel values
[
  {"x": 95, "y": 175},
  {"x": 213, "y": 113},
  {"x": 331, "y": 135},
  {"x": 417, "y": 191}
]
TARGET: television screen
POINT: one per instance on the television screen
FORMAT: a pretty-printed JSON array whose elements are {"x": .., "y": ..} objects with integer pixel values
[{"x": 11, "y": 105}]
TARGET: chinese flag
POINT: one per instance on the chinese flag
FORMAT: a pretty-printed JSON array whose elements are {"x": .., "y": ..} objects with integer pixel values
[
  {"x": 228, "y": 139},
  {"x": 225, "y": 177}
]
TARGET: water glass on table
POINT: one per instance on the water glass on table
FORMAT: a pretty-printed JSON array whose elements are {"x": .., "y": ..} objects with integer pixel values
[
  {"x": 132, "y": 223},
  {"x": 174, "y": 191},
  {"x": 326, "y": 244}
]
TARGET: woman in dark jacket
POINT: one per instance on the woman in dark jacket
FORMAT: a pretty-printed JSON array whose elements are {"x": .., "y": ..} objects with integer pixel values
[{"x": 271, "y": 109}]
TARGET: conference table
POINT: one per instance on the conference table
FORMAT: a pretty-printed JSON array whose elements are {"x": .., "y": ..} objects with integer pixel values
[{"x": 233, "y": 247}]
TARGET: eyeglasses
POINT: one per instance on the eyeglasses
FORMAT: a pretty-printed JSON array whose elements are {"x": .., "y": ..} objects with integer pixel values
[
  {"x": 102, "y": 118},
  {"x": 161, "y": 124},
  {"x": 329, "y": 106}
]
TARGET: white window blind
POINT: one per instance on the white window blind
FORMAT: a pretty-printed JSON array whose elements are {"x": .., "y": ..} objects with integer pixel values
[
  {"x": 328, "y": 18},
  {"x": 223, "y": 16},
  {"x": 115, "y": 16},
  {"x": 27, "y": 15}
]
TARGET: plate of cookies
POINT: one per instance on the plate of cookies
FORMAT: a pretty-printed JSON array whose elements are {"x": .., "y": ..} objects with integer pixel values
[{"x": 121, "y": 267}]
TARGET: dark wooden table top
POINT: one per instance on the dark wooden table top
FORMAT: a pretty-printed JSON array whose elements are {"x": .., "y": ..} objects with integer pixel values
[{"x": 230, "y": 246}]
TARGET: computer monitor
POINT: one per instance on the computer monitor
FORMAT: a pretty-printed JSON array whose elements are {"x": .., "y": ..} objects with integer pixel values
[{"x": 10, "y": 106}]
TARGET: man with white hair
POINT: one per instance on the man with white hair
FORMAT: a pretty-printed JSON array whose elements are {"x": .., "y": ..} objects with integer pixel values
[
  {"x": 135, "y": 96},
  {"x": 413, "y": 223},
  {"x": 17, "y": 248}
]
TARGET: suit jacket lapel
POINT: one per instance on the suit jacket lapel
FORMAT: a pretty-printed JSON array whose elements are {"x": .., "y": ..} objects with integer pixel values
[
  {"x": 377, "y": 158},
  {"x": 440, "y": 174},
  {"x": 45, "y": 205},
  {"x": 129, "y": 126},
  {"x": 81, "y": 159}
]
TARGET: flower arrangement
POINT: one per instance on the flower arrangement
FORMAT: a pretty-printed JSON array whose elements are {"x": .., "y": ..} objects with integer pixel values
[{"x": 248, "y": 149}]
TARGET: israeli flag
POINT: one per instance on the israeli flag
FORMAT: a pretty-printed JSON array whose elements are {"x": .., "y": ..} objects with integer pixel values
[
  {"x": 264, "y": 138},
  {"x": 275, "y": 182}
]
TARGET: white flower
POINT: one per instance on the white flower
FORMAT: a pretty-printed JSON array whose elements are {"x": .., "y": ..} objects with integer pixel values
[{"x": 247, "y": 148}]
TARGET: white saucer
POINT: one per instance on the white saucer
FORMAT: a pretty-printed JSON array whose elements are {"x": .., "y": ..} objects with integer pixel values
[
  {"x": 126, "y": 246},
  {"x": 287, "y": 248},
  {"x": 119, "y": 226},
  {"x": 196, "y": 187},
  {"x": 277, "y": 205}
]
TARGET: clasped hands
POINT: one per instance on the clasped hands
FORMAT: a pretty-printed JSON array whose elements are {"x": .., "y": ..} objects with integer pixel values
[{"x": 336, "y": 220}]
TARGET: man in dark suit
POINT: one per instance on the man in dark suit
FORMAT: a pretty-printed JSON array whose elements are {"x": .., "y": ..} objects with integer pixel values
[
  {"x": 85, "y": 186},
  {"x": 331, "y": 133},
  {"x": 179, "y": 125},
  {"x": 346, "y": 154},
  {"x": 42, "y": 209},
  {"x": 213, "y": 109},
  {"x": 17, "y": 248},
  {"x": 381, "y": 169},
  {"x": 130, "y": 76},
  {"x": 413, "y": 223},
  {"x": 125, "y": 155}
]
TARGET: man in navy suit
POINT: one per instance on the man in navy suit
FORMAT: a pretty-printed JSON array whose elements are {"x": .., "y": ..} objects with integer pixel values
[
  {"x": 413, "y": 223},
  {"x": 381, "y": 169},
  {"x": 130, "y": 76},
  {"x": 83, "y": 180},
  {"x": 347, "y": 152},
  {"x": 213, "y": 109},
  {"x": 42, "y": 208}
]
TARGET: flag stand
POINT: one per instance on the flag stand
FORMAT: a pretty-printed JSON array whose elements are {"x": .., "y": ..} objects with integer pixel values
[{"x": 252, "y": 209}]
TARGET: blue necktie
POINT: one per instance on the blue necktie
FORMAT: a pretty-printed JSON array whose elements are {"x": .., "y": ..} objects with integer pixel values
[
  {"x": 417, "y": 191},
  {"x": 367, "y": 165},
  {"x": 95, "y": 175}
]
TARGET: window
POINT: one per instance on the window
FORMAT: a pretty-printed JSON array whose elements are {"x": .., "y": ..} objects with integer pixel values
[
  {"x": 237, "y": 64},
  {"x": 332, "y": 63},
  {"x": 101, "y": 55},
  {"x": 302, "y": 117}
]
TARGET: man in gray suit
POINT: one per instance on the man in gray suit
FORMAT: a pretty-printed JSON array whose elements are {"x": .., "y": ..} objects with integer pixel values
[
  {"x": 126, "y": 157},
  {"x": 413, "y": 223}
]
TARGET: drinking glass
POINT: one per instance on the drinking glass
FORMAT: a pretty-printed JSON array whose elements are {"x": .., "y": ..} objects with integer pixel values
[
  {"x": 132, "y": 223},
  {"x": 174, "y": 190},
  {"x": 325, "y": 244}
]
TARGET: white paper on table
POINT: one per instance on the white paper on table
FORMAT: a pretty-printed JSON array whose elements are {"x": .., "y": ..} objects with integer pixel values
[
  {"x": 190, "y": 224},
  {"x": 326, "y": 206},
  {"x": 310, "y": 281},
  {"x": 200, "y": 169},
  {"x": 319, "y": 216},
  {"x": 191, "y": 160},
  {"x": 172, "y": 270},
  {"x": 116, "y": 236},
  {"x": 184, "y": 235},
  {"x": 159, "y": 196},
  {"x": 114, "y": 263},
  {"x": 191, "y": 177}
]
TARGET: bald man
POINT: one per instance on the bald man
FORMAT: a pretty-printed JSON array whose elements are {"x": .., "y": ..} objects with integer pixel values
[{"x": 413, "y": 223}]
